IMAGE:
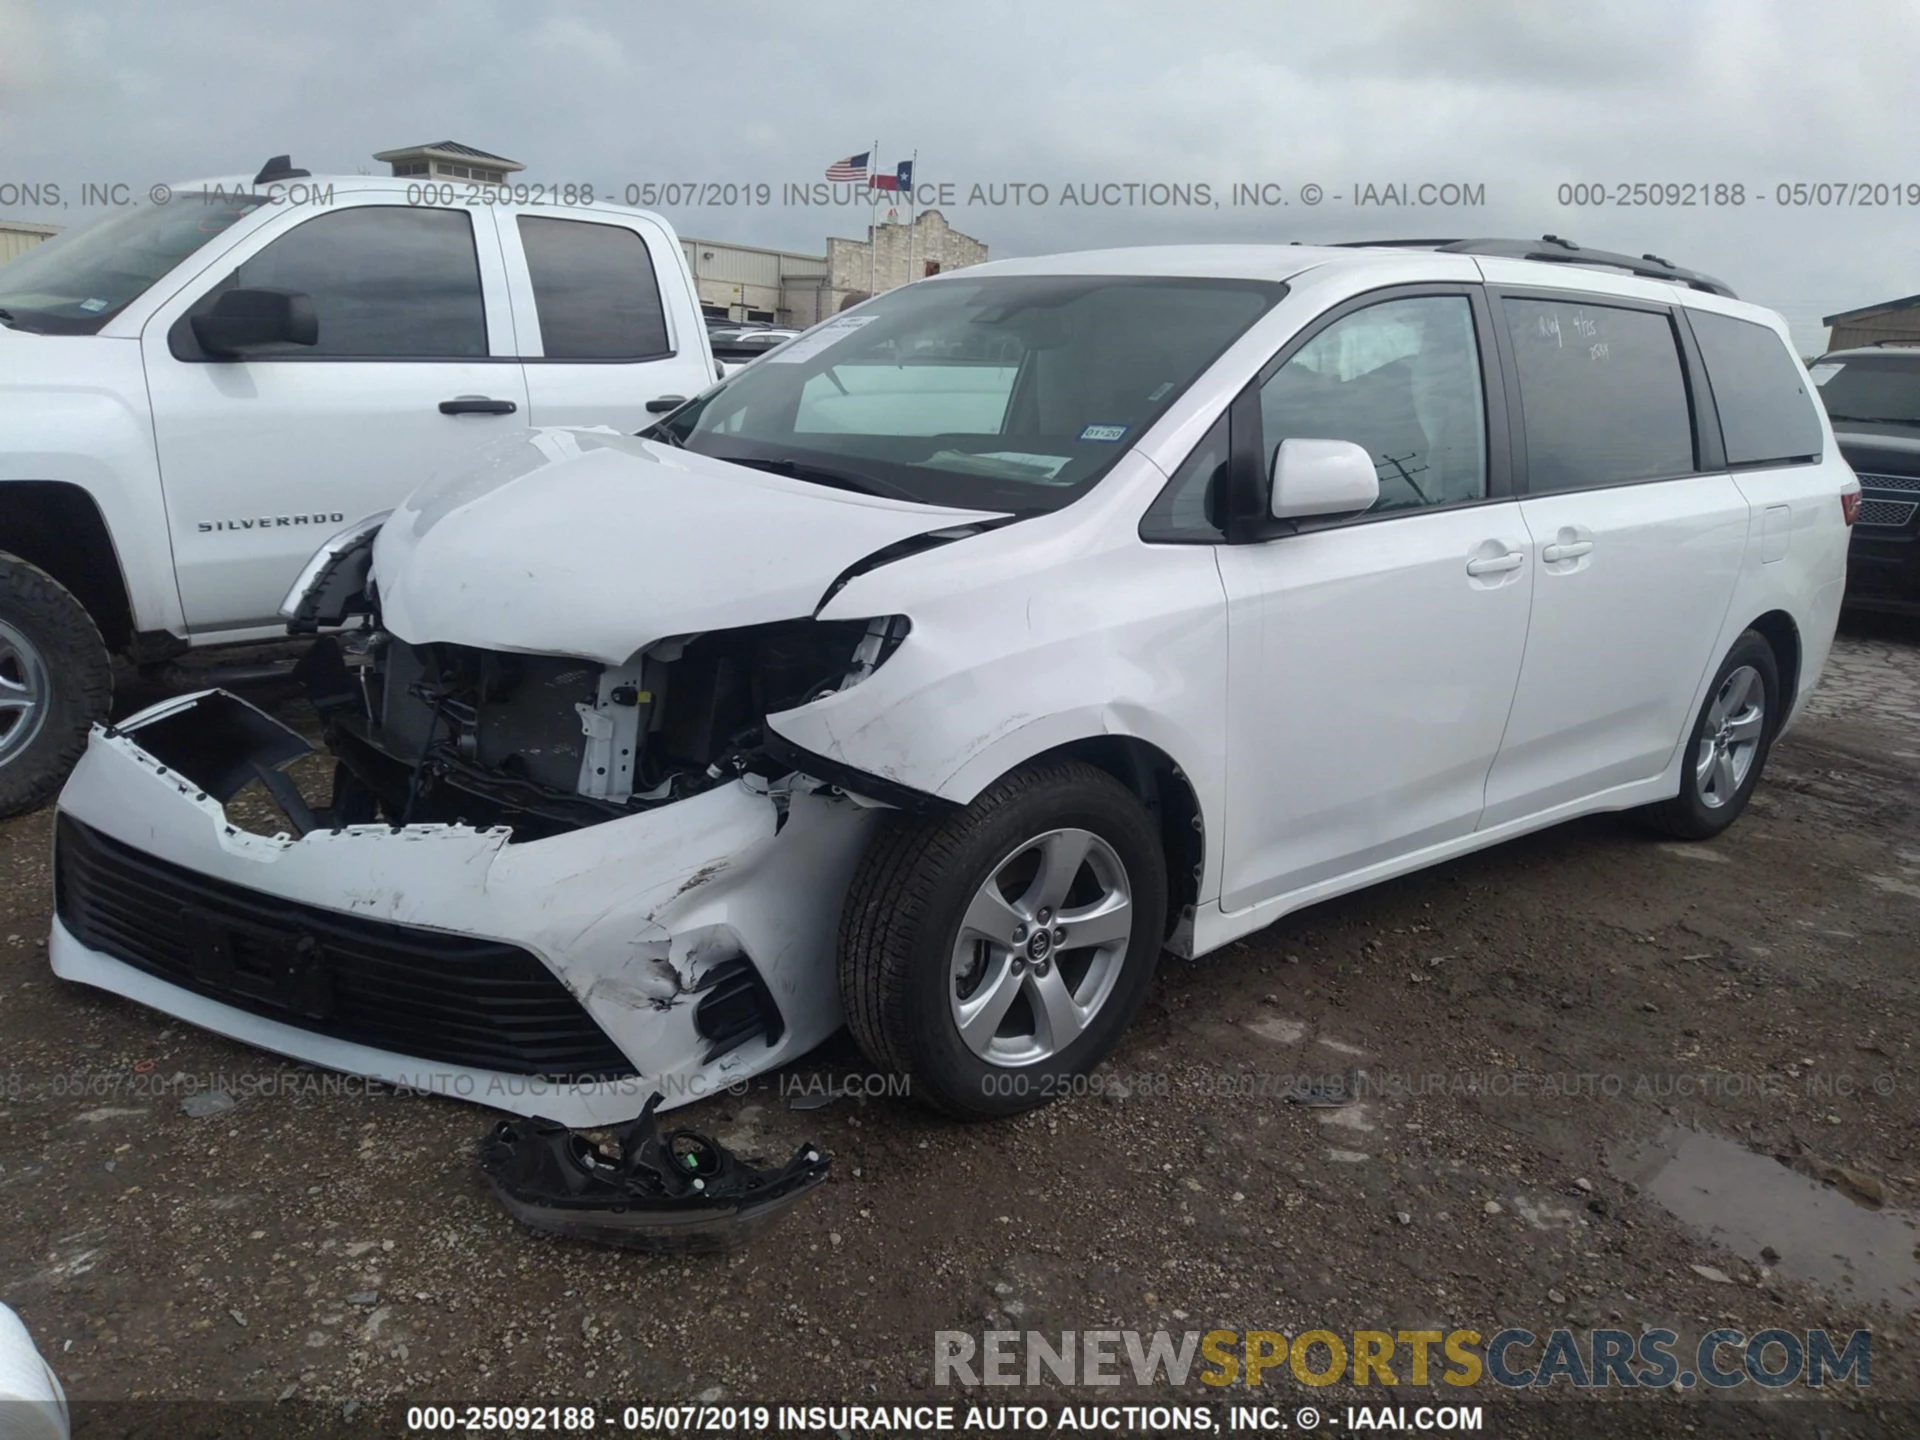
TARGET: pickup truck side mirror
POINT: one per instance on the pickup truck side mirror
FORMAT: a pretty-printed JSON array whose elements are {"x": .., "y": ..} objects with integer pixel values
[
  {"x": 243, "y": 321},
  {"x": 1322, "y": 477}
]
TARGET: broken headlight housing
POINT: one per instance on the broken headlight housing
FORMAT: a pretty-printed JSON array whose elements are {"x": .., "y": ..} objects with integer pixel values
[{"x": 333, "y": 585}]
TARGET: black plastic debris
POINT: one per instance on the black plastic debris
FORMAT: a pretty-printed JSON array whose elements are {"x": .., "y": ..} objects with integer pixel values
[
  {"x": 1326, "y": 1092},
  {"x": 682, "y": 1193}
]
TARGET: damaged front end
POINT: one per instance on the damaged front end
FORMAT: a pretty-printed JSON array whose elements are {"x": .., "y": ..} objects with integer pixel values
[
  {"x": 552, "y": 886},
  {"x": 554, "y": 859}
]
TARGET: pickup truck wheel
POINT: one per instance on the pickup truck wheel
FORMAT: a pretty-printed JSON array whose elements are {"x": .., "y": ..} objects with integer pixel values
[
  {"x": 994, "y": 954},
  {"x": 1727, "y": 748},
  {"x": 56, "y": 680}
]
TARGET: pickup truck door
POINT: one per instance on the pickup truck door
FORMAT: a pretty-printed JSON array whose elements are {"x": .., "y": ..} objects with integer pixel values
[
  {"x": 414, "y": 369},
  {"x": 605, "y": 316}
]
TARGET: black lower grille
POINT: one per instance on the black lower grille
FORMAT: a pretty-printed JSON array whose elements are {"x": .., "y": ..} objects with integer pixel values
[{"x": 477, "y": 1004}]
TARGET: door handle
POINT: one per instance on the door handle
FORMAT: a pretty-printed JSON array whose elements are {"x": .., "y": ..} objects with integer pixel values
[
  {"x": 1497, "y": 564},
  {"x": 1572, "y": 550},
  {"x": 661, "y": 404},
  {"x": 476, "y": 405}
]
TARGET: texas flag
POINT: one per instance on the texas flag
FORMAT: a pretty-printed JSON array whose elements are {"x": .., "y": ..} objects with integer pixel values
[{"x": 901, "y": 179}]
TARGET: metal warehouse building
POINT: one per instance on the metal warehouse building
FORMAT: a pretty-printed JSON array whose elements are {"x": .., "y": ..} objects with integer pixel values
[
  {"x": 17, "y": 237},
  {"x": 744, "y": 282},
  {"x": 1891, "y": 320}
]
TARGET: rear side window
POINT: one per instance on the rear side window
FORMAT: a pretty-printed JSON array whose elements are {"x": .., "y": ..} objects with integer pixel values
[
  {"x": 1602, "y": 394},
  {"x": 1766, "y": 415},
  {"x": 594, "y": 288}
]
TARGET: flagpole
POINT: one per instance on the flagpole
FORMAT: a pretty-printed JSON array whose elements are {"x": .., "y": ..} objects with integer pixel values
[
  {"x": 913, "y": 217},
  {"x": 873, "y": 229}
]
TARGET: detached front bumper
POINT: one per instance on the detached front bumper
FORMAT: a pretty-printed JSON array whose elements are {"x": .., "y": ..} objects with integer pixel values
[{"x": 679, "y": 949}]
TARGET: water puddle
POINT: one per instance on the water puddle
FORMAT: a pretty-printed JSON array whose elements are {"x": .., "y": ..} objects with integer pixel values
[{"x": 1753, "y": 1204}]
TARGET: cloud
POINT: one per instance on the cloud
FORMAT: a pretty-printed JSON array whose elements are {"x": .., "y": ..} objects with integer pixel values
[{"x": 1516, "y": 96}]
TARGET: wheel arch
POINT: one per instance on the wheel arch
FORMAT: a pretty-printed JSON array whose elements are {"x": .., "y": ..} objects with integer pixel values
[
  {"x": 58, "y": 527},
  {"x": 1163, "y": 787}
]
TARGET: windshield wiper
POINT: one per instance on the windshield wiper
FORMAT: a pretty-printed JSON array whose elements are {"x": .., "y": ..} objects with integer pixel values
[
  {"x": 1867, "y": 419},
  {"x": 854, "y": 480}
]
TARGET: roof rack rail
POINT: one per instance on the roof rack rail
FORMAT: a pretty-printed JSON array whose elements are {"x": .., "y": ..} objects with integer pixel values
[{"x": 1556, "y": 250}]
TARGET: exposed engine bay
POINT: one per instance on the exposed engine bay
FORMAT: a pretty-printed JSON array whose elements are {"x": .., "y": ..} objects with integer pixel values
[{"x": 541, "y": 744}]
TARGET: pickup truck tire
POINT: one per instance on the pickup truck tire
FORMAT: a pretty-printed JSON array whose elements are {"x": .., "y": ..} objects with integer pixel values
[
  {"x": 948, "y": 913},
  {"x": 56, "y": 680}
]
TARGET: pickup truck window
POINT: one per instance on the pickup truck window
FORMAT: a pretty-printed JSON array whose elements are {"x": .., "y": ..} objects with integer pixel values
[
  {"x": 594, "y": 290},
  {"x": 394, "y": 282},
  {"x": 76, "y": 282}
]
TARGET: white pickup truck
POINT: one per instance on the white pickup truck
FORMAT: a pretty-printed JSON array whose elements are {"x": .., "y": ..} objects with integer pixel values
[{"x": 195, "y": 394}]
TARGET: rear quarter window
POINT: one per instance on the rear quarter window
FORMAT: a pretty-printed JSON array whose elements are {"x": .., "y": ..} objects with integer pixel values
[{"x": 1767, "y": 416}]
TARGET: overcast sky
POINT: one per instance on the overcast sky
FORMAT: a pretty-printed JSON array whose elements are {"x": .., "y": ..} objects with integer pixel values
[{"x": 1515, "y": 96}]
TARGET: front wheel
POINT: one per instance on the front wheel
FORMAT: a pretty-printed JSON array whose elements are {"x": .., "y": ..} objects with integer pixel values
[
  {"x": 993, "y": 954},
  {"x": 56, "y": 680},
  {"x": 1727, "y": 747}
]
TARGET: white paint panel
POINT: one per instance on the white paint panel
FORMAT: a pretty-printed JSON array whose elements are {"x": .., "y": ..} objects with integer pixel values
[
  {"x": 1621, "y": 638},
  {"x": 1369, "y": 678}
]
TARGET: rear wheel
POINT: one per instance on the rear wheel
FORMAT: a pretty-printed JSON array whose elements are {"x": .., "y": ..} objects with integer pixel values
[
  {"x": 56, "y": 680},
  {"x": 995, "y": 953},
  {"x": 1727, "y": 747}
]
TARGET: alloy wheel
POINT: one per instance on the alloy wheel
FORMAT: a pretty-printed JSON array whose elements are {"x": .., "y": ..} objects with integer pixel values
[
  {"x": 1730, "y": 739},
  {"x": 1040, "y": 948},
  {"x": 23, "y": 692}
]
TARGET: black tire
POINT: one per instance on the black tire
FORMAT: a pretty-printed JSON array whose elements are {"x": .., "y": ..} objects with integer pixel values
[
  {"x": 902, "y": 921},
  {"x": 1698, "y": 812},
  {"x": 52, "y": 632}
]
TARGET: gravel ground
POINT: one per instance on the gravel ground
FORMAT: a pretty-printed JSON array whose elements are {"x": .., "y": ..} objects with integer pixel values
[{"x": 1548, "y": 1034}]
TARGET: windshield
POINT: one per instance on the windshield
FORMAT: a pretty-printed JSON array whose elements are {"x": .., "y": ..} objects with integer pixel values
[
  {"x": 76, "y": 282},
  {"x": 1002, "y": 393},
  {"x": 1873, "y": 388}
]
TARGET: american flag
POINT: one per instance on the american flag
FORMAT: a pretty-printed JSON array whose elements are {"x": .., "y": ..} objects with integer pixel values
[{"x": 852, "y": 169}]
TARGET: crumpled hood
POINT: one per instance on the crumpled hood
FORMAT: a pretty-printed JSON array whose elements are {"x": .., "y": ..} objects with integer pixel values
[{"x": 597, "y": 544}]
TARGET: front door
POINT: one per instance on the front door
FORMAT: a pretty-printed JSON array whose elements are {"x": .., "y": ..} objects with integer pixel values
[
  {"x": 1372, "y": 661},
  {"x": 414, "y": 369}
]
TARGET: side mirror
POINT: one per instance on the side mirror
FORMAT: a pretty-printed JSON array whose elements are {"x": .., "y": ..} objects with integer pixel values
[
  {"x": 1322, "y": 477},
  {"x": 243, "y": 321}
]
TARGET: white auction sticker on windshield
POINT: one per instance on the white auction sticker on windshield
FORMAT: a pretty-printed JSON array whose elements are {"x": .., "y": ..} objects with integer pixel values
[{"x": 812, "y": 343}]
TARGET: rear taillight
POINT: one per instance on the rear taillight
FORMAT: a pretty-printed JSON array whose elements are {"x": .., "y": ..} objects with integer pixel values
[{"x": 1850, "y": 505}]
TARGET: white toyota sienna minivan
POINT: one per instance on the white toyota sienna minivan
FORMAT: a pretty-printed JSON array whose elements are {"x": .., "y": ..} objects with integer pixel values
[{"x": 937, "y": 671}]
